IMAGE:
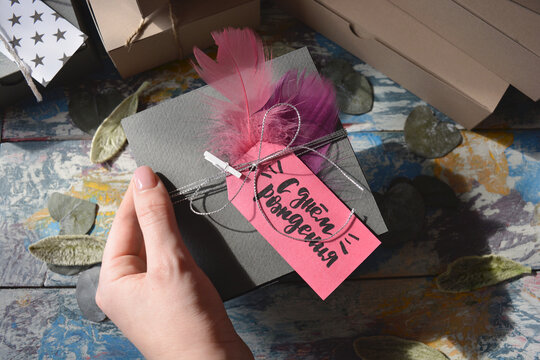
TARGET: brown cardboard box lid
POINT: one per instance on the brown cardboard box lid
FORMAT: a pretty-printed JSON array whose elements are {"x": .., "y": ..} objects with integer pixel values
[
  {"x": 147, "y": 7},
  {"x": 533, "y": 5},
  {"x": 514, "y": 20},
  {"x": 157, "y": 43},
  {"x": 483, "y": 42},
  {"x": 464, "y": 107},
  {"x": 117, "y": 20},
  {"x": 416, "y": 42}
]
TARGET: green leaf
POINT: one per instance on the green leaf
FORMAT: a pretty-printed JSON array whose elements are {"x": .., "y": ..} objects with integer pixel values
[
  {"x": 76, "y": 216},
  {"x": 85, "y": 292},
  {"x": 394, "y": 348},
  {"x": 67, "y": 270},
  {"x": 427, "y": 136},
  {"x": 71, "y": 250},
  {"x": 83, "y": 110},
  {"x": 87, "y": 110},
  {"x": 474, "y": 272},
  {"x": 110, "y": 137}
]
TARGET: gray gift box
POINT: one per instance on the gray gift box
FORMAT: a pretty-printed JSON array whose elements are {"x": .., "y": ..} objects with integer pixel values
[
  {"x": 170, "y": 138},
  {"x": 12, "y": 83}
]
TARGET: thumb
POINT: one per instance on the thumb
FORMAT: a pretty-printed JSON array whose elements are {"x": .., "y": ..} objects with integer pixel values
[{"x": 155, "y": 214}]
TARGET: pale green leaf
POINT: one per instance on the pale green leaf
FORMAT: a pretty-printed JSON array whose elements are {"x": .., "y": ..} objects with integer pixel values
[
  {"x": 394, "y": 348},
  {"x": 76, "y": 216},
  {"x": 110, "y": 137},
  {"x": 85, "y": 292},
  {"x": 69, "y": 250},
  {"x": 474, "y": 272},
  {"x": 67, "y": 270}
]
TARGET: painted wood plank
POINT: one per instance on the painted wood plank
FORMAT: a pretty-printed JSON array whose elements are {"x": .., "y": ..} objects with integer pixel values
[
  {"x": 31, "y": 171},
  {"x": 288, "y": 321}
]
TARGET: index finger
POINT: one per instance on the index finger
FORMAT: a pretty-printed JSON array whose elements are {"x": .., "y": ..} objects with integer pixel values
[{"x": 125, "y": 237}]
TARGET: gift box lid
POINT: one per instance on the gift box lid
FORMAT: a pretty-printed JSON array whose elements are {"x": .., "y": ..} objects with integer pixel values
[
  {"x": 146, "y": 7},
  {"x": 170, "y": 138},
  {"x": 156, "y": 43},
  {"x": 409, "y": 52},
  {"x": 487, "y": 44},
  {"x": 517, "y": 22}
]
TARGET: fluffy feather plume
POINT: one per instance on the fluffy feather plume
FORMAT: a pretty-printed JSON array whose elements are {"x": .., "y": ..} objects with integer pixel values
[
  {"x": 240, "y": 72},
  {"x": 242, "y": 75},
  {"x": 315, "y": 99}
]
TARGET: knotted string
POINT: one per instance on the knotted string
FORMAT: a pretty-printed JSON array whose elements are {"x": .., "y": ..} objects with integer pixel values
[
  {"x": 23, "y": 67},
  {"x": 254, "y": 167},
  {"x": 146, "y": 21}
]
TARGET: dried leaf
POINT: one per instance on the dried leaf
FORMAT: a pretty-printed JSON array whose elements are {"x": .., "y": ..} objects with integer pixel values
[
  {"x": 394, "y": 348},
  {"x": 435, "y": 192},
  {"x": 354, "y": 93},
  {"x": 88, "y": 110},
  {"x": 69, "y": 250},
  {"x": 110, "y": 137},
  {"x": 76, "y": 216},
  {"x": 107, "y": 101},
  {"x": 86, "y": 295},
  {"x": 67, "y": 270},
  {"x": 83, "y": 110},
  {"x": 428, "y": 137},
  {"x": 474, "y": 272}
]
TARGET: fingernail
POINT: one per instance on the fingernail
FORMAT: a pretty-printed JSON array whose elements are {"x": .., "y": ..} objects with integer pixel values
[{"x": 144, "y": 178}]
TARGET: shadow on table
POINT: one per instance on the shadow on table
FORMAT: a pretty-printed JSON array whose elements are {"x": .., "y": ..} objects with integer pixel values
[
  {"x": 449, "y": 232},
  {"x": 404, "y": 302}
]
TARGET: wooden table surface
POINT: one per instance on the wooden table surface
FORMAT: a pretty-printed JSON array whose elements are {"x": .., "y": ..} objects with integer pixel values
[{"x": 495, "y": 172}]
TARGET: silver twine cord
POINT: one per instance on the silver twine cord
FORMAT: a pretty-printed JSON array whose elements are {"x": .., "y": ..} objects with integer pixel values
[
  {"x": 183, "y": 193},
  {"x": 23, "y": 67},
  {"x": 254, "y": 167}
]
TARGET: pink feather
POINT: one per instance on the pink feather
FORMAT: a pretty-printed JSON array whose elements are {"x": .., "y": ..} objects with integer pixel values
[{"x": 242, "y": 75}]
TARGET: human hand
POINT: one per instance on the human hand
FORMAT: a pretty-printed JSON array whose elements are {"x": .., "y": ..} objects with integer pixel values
[{"x": 151, "y": 287}]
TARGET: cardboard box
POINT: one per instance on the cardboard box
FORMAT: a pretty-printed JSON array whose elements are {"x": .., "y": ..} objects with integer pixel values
[
  {"x": 171, "y": 138},
  {"x": 408, "y": 52},
  {"x": 147, "y": 7},
  {"x": 485, "y": 43},
  {"x": 515, "y": 21},
  {"x": 12, "y": 83},
  {"x": 157, "y": 44},
  {"x": 533, "y": 5}
]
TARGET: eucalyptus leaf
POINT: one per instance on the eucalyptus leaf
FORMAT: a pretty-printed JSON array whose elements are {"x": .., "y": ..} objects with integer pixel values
[
  {"x": 83, "y": 110},
  {"x": 355, "y": 94},
  {"x": 87, "y": 110},
  {"x": 403, "y": 210},
  {"x": 76, "y": 216},
  {"x": 336, "y": 69},
  {"x": 67, "y": 270},
  {"x": 107, "y": 101},
  {"x": 435, "y": 192},
  {"x": 429, "y": 137},
  {"x": 70, "y": 250},
  {"x": 474, "y": 272},
  {"x": 110, "y": 137},
  {"x": 394, "y": 348},
  {"x": 85, "y": 292}
]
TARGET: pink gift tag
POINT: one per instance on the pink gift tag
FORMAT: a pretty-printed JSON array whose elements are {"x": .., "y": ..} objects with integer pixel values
[{"x": 297, "y": 203}]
